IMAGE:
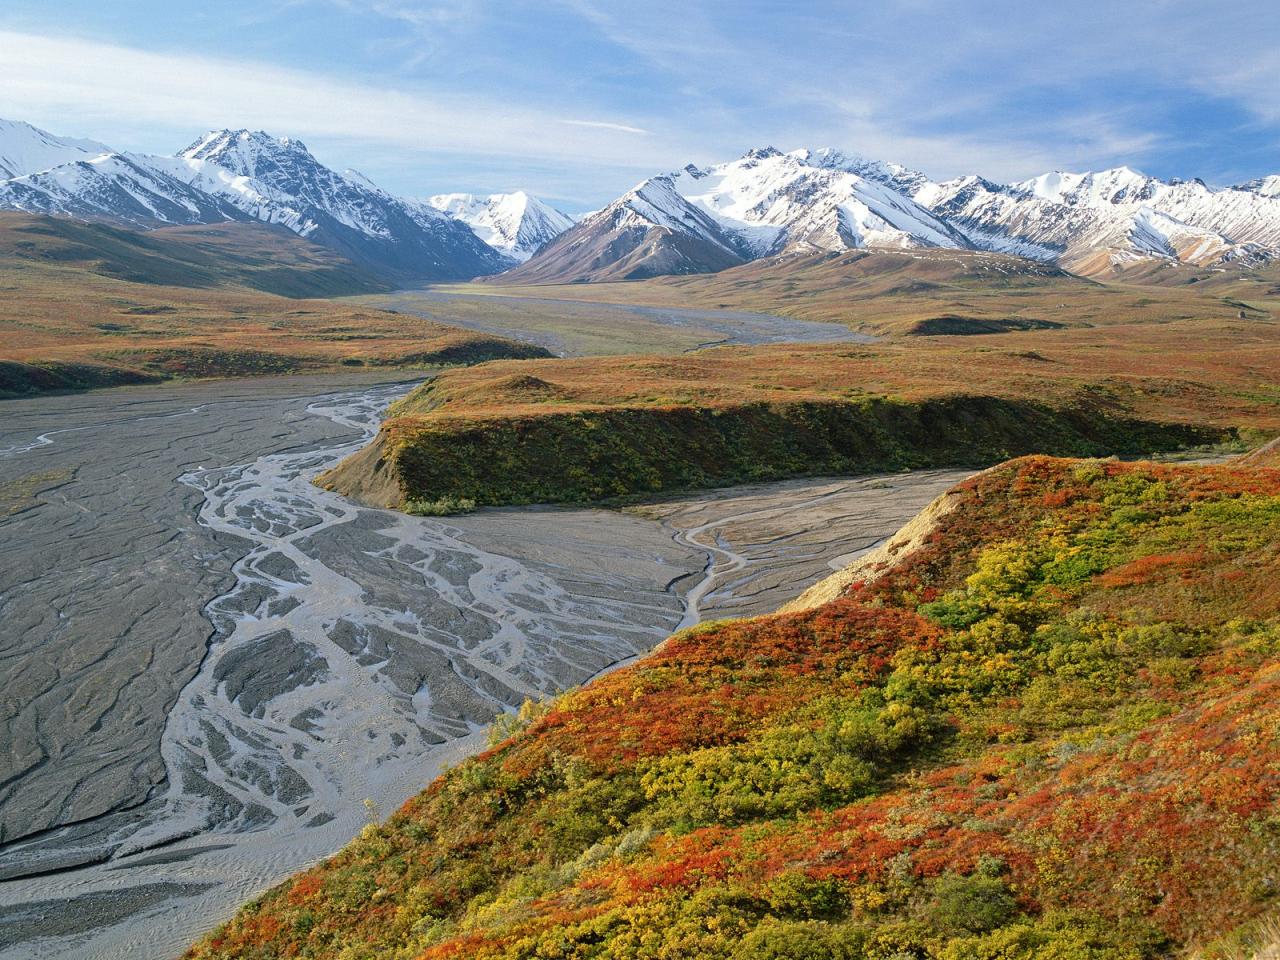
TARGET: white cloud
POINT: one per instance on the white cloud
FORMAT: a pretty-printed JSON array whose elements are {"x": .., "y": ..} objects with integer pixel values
[
  {"x": 96, "y": 84},
  {"x": 606, "y": 125}
]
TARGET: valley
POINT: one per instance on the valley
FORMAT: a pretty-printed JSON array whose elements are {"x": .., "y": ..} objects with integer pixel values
[
  {"x": 936, "y": 292},
  {"x": 185, "y": 775},
  {"x": 573, "y": 327},
  {"x": 793, "y": 557}
]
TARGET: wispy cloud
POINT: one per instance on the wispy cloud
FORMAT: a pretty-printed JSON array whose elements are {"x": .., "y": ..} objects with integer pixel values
[
  {"x": 421, "y": 16},
  {"x": 586, "y": 97},
  {"x": 99, "y": 84},
  {"x": 635, "y": 28},
  {"x": 606, "y": 125}
]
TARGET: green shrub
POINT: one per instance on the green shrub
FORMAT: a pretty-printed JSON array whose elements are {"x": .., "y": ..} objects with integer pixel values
[
  {"x": 1057, "y": 936},
  {"x": 797, "y": 895},
  {"x": 834, "y": 753},
  {"x": 972, "y": 904},
  {"x": 798, "y": 940},
  {"x": 443, "y": 507}
]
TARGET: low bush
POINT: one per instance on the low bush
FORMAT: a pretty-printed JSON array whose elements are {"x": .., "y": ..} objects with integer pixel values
[{"x": 441, "y": 507}]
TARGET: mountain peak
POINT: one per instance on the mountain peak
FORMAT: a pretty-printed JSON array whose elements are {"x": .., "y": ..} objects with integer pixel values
[
  {"x": 243, "y": 151},
  {"x": 1115, "y": 185},
  {"x": 1263, "y": 186},
  {"x": 26, "y": 149},
  {"x": 831, "y": 157},
  {"x": 761, "y": 153},
  {"x": 515, "y": 223}
]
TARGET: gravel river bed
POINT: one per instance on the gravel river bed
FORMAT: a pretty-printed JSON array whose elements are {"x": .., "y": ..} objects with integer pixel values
[{"x": 215, "y": 673}]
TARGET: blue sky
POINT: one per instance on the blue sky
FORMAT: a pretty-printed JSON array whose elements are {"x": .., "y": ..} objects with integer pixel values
[{"x": 576, "y": 100}]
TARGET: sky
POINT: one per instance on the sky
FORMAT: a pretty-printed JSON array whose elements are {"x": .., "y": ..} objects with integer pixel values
[{"x": 577, "y": 100}]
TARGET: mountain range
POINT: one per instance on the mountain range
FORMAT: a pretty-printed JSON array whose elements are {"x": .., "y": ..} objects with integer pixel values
[
  {"x": 773, "y": 204},
  {"x": 241, "y": 175},
  {"x": 762, "y": 206}
]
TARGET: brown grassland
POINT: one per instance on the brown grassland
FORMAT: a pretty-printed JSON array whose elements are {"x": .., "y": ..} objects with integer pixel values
[
  {"x": 899, "y": 292},
  {"x": 596, "y": 428},
  {"x": 87, "y": 305},
  {"x": 1222, "y": 372}
]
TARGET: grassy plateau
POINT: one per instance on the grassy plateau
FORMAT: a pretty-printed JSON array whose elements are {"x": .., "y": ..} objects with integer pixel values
[{"x": 595, "y": 428}]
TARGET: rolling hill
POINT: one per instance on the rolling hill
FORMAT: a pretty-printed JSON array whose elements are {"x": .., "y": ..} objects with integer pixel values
[
  {"x": 1047, "y": 730},
  {"x": 254, "y": 256}
]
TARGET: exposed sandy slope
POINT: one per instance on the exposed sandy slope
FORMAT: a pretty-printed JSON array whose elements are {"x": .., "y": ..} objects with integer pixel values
[
  {"x": 909, "y": 538},
  {"x": 1267, "y": 455}
]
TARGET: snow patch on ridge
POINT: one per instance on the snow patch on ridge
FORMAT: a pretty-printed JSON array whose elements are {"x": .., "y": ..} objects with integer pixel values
[{"x": 25, "y": 149}]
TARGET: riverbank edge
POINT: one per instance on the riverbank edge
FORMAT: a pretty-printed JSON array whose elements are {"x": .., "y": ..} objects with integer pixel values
[
  {"x": 19, "y": 379},
  {"x": 621, "y": 453}
]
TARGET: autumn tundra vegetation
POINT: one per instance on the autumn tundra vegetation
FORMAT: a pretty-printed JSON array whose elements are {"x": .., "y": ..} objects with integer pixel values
[{"x": 1048, "y": 731}]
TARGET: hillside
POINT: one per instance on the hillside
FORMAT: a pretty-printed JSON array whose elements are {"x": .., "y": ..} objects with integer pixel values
[
  {"x": 87, "y": 305},
  {"x": 593, "y": 428},
  {"x": 1048, "y": 731},
  {"x": 249, "y": 255},
  {"x": 904, "y": 292}
]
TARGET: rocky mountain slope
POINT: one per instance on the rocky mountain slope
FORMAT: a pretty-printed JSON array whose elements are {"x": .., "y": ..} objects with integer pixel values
[
  {"x": 764, "y": 204},
  {"x": 1093, "y": 222},
  {"x": 240, "y": 175},
  {"x": 769, "y": 204},
  {"x": 513, "y": 223},
  {"x": 1046, "y": 729},
  {"x": 342, "y": 211}
]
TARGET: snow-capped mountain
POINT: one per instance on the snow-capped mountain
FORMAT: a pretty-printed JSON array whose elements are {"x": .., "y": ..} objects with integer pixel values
[
  {"x": 118, "y": 187},
  {"x": 1095, "y": 222},
  {"x": 243, "y": 175},
  {"x": 1266, "y": 186},
  {"x": 514, "y": 223},
  {"x": 902, "y": 179},
  {"x": 766, "y": 203},
  {"x": 25, "y": 149},
  {"x": 770, "y": 204},
  {"x": 277, "y": 179},
  {"x": 694, "y": 220}
]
